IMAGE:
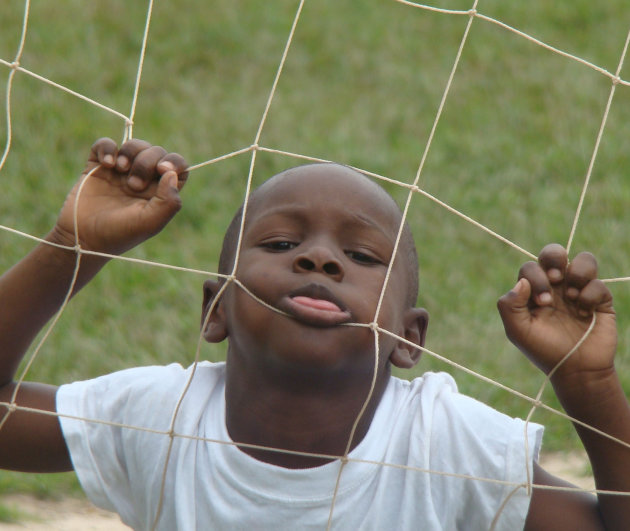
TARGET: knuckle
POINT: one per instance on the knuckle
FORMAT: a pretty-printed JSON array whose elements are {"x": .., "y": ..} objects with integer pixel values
[
  {"x": 553, "y": 255},
  {"x": 585, "y": 261},
  {"x": 133, "y": 147},
  {"x": 502, "y": 304},
  {"x": 177, "y": 160},
  {"x": 103, "y": 144},
  {"x": 552, "y": 249},
  {"x": 581, "y": 274},
  {"x": 156, "y": 151},
  {"x": 102, "y": 140},
  {"x": 177, "y": 204},
  {"x": 527, "y": 269}
]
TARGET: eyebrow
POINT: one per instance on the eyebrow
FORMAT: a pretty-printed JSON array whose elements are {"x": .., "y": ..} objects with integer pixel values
[{"x": 355, "y": 218}]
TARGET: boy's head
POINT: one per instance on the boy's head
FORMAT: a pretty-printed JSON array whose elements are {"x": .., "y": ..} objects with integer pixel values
[
  {"x": 407, "y": 252},
  {"x": 316, "y": 245}
]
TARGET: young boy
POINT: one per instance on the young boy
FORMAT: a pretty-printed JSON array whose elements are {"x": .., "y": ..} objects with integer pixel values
[{"x": 315, "y": 250}]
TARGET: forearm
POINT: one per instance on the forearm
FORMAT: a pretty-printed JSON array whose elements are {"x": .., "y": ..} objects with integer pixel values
[
  {"x": 601, "y": 404},
  {"x": 31, "y": 292}
]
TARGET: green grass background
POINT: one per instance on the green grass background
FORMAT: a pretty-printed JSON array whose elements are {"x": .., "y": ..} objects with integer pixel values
[{"x": 362, "y": 84}]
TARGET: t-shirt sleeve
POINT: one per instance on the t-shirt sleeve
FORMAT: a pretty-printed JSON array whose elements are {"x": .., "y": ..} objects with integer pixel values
[
  {"x": 115, "y": 427},
  {"x": 490, "y": 456}
]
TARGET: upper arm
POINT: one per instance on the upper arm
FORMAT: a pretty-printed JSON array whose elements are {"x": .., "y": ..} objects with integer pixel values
[
  {"x": 32, "y": 441},
  {"x": 560, "y": 509}
]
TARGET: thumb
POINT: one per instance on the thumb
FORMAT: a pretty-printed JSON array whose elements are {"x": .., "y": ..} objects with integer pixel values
[
  {"x": 165, "y": 203},
  {"x": 513, "y": 307}
]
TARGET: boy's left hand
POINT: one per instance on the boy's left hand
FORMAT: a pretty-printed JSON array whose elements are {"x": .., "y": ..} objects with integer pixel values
[{"x": 552, "y": 306}]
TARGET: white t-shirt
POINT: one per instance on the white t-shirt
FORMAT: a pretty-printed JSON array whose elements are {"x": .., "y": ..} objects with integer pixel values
[{"x": 425, "y": 424}]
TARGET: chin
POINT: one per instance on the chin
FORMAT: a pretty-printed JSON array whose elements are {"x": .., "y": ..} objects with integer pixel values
[{"x": 327, "y": 363}]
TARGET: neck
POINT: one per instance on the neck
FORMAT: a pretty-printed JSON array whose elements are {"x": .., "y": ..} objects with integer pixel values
[{"x": 312, "y": 413}]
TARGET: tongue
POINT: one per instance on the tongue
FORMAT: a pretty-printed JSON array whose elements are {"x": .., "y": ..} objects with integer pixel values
[{"x": 319, "y": 304}]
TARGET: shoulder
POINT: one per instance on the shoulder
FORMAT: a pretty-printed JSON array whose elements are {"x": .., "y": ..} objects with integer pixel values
[
  {"x": 137, "y": 389},
  {"x": 460, "y": 418},
  {"x": 436, "y": 395},
  {"x": 462, "y": 435},
  {"x": 479, "y": 457},
  {"x": 170, "y": 375}
]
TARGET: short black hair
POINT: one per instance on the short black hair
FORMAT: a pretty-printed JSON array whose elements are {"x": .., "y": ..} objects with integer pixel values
[{"x": 406, "y": 248}]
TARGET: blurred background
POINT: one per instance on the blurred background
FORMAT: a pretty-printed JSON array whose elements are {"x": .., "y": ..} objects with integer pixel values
[{"x": 361, "y": 86}]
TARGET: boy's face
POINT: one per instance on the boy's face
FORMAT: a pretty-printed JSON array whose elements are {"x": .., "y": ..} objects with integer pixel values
[{"x": 316, "y": 246}]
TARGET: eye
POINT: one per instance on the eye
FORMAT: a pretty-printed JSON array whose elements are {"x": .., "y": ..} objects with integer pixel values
[
  {"x": 362, "y": 258},
  {"x": 279, "y": 246}
]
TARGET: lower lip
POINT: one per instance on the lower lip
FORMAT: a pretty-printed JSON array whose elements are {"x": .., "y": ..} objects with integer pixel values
[{"x": 316, "y": 312}]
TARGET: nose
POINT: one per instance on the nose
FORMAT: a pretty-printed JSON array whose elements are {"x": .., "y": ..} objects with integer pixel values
[{"x": 319, "y": 259}]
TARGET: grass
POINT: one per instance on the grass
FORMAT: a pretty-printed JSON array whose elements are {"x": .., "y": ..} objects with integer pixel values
[
  {"x": 41, "y": 486},
  {"x": 360, "y": 86},
  {"x": 9, "y": 515}
]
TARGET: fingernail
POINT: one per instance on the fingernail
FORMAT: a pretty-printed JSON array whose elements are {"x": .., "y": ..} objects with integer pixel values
[
  {"x": 135, "y": 183},
  {"x": 122, "y": 162},
  {"x": 108, "y": 159},
  {"x": 166, "y": 166},
  {"x": 518, "y": 286},
  {"x": 545, "y": 298},
  {"x": 572, "y": 293},
  {"x": 554, "y": 274}
]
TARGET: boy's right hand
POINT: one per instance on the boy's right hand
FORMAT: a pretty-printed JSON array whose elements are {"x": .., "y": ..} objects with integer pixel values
[{"x": 130, "y": 196}]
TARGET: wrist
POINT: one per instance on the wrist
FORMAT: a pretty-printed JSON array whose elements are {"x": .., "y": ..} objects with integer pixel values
[
  {"x": 62, "y": 249},
  {"x": 59, "y": 236},
  {"x": 588, "y": 395}
]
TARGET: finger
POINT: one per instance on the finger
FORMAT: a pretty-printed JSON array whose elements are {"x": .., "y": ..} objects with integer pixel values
[
  {"x": 553, "y": 259},
  {"x": 513, "y": 308},
  {"x": 164, "y": 204},
  {"x": 581, "y": 270},
  {"x": 144, "y": 168},
  {"x": 174, "y": 162},
  {"x": 103, "y": 152},
  {"x": 540, "y": 285},
  {"x": 595, "y": 296},
  {"x": 128, "y": 152}
]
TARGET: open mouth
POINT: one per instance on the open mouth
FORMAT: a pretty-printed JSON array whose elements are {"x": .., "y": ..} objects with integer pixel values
[{"x": 316, "y": 305}]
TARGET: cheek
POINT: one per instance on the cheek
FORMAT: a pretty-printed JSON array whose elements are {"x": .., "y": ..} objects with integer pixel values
[
  {"x": 391, "y": 312},
  {"x": 261, "y": 275},
  {"x": 242, "y": 310}
]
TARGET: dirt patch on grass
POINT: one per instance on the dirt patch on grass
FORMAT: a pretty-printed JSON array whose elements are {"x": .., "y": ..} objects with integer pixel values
[
  {"x": 68, "y": 514},
  {"x": 573, "y": 467}
]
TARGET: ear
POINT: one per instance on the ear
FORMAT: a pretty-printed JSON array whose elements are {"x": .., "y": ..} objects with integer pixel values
[
  {"x": 214, "y": 327},
  {"x": 415, "y": 321}
]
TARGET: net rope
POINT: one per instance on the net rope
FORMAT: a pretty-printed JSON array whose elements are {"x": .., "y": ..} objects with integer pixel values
[{"x": 413, "y": 189}]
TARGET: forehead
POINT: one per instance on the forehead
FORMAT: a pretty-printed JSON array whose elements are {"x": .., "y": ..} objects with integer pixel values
[{"x": 325, "y": 190}]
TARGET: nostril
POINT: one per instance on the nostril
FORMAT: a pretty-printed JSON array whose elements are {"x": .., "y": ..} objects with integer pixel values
[
  {"x": 305, "y": 263},
  {"x": 331, "y": 268}
]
